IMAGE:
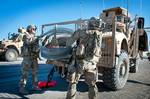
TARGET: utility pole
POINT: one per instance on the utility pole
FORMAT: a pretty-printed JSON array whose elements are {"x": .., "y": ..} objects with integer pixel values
[
  {"x": 127, "y": 25},
  {"x": 80, "y": 13},
  {"x": 127, "y": 7},
  {"x": 140, "y": 7},
  {"x": 80, "y": 9}
]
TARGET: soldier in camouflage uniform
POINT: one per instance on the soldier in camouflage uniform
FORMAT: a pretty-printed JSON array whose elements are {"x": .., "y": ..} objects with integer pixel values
[
  {"x": 85, "y": 58},
  {"x": 21, "y": 32},
  {"x": 30, "y": 51}
]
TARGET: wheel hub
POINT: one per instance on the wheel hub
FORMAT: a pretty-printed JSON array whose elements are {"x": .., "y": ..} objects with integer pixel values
[
  {"x": 122, "y": 70},
  {"x": 11, "y": 55}
]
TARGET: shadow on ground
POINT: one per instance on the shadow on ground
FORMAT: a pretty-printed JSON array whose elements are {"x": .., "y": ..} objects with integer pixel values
[
  {"x": 61, "y": 86},
  {"x": 138, "y": 82},
  {"x": 10, "y": 76}
]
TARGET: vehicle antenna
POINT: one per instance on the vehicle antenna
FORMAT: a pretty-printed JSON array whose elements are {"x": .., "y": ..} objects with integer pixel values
[
  {"x": 140, "y": 7},
  {"x": 127, "y": 7},
  {"x": 127, "y": 16},
  {"x": 81, "y": 2},
  {"x": 80, "y": 9}
]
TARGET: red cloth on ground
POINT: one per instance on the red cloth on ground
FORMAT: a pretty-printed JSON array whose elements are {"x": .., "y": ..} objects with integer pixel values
[{"x": 44, "y": 84}]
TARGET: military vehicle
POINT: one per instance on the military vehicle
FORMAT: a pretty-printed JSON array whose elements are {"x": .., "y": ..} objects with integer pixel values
[
  {"x": 10, "y": 49},
  {"x": 123, "y": 42}
]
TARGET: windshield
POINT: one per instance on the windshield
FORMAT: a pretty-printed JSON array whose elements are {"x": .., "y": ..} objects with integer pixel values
[
  {"x": 59, "y": 33},
  {"x": 13, "y": 36},
  {"x": 57, "y": 37},
  {"x": 119, "y": 18},
  {"x": 62, "y": 27}
]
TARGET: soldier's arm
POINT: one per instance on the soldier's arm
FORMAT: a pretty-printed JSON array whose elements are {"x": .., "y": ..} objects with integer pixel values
[
  {"x": 97, "y": 47},
  {"x": 20, "y": 37},
  {"x": 28, "y": 39},
  {"x": 73, "y": 38}
]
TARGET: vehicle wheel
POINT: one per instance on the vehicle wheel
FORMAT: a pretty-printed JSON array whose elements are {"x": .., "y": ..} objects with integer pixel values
[
  {"x": 11, "y": 55},
  {"x": 2, "y": 57},
  {"x": 116, "y": 78},
  {"x": 134, "y": 65}
]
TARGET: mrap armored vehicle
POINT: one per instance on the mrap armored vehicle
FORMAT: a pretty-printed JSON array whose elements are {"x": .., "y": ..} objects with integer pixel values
[
  {"x": 10, "y": 49},
  {"x": 123, "y": 42}
]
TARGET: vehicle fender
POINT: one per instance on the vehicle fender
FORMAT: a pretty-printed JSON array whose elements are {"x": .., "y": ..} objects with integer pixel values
[
  {"x": 120, "y": 37},
  {"x": 14, "y": 47}
]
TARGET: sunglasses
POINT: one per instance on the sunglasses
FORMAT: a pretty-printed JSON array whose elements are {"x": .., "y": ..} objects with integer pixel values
[{"x": 33, "y": 29}]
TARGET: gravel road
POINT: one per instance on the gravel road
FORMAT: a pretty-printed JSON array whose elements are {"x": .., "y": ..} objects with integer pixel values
[{"x": 137, "y": 86}]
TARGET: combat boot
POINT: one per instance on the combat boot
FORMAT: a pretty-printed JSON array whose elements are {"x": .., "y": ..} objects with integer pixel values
[
  {"x": 22, "y": 90},
  {"x": 93, "y": 91},
  {"x": 36, "y": 88}
]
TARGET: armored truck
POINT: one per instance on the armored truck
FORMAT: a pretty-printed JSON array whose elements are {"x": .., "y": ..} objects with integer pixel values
[
  {"x": 10, "y": 49},
  {"x": 123, "y": 42}
]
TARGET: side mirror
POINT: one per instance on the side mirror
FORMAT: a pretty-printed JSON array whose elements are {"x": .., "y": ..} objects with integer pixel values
[
  {"x": 140, "y": 23},
  {"x": 126, "y": 19}
]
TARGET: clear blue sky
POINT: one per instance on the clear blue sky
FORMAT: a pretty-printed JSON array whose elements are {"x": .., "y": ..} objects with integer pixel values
[{"x": 16, "y": 13}]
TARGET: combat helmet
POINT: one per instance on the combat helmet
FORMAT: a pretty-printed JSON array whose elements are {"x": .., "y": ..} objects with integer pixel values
[
  {"x": 93, "y": 23},
  {"x": 29, "y": 27}
]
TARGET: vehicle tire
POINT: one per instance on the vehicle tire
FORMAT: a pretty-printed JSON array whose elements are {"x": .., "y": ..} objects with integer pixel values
[
  {"x": 11, "y": 55},
  {"x": 116, "y": 78},
  {"x": 134, "y": 64},
  {"x": 2, "y": 58}
]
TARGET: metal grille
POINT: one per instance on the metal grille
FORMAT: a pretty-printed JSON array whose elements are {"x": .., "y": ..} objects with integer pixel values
[{"x": 106, "y": 48}]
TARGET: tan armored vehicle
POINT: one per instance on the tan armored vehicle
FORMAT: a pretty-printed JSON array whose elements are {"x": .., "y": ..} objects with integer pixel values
[
  {"x": 123, "y": 41},
  {"x": 10, "y": 49}
]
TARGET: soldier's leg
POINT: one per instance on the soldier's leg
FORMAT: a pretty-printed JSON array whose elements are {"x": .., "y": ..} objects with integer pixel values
[
  {"x": 23, "y": 81},
  {"x": 90, "y": 79},
  {"x": 34, "y": 73},
  {"x": 73, "y": 78}
]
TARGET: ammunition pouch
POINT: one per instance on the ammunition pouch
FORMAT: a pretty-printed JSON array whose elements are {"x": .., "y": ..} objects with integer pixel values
[
  {"x": 80, "y": 57},
  {"x": 34, "y": 51},
  {"x": 80, "y": 50},
  {"x": 24, "y": 50}
]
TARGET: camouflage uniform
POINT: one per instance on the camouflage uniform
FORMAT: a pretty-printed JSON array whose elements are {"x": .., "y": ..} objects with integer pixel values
[
  {"x": 85, "y": 58},
  {"x": 30, "y": 51},
  {"x": 21, "y": 32}
]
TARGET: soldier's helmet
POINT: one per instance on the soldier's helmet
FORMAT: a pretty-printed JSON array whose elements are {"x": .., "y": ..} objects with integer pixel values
[
  {"x": 29, "y": 27},
  {"x": 93, "y": 23}
]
